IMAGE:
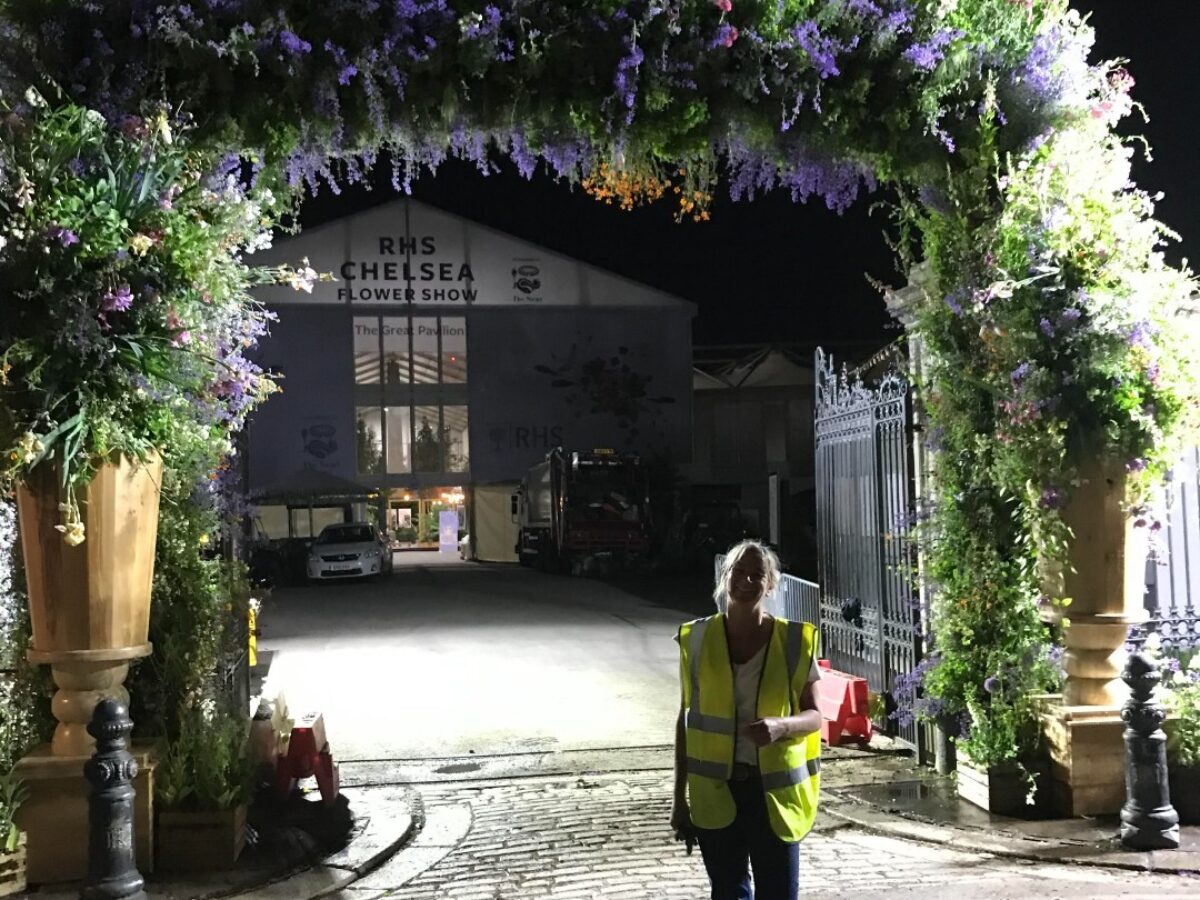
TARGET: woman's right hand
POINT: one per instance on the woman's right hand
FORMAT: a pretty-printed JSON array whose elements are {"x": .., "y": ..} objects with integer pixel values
[{"x": 681, "y": 824}]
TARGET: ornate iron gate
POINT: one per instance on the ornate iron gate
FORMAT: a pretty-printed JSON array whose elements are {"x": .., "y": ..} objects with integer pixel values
[
  {"x": 1173, "y": 573},
  {"x": 869, "y": 608}
]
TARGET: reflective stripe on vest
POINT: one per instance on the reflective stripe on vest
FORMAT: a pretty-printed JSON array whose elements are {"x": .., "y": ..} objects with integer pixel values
[{"x": 789, "y": 777}]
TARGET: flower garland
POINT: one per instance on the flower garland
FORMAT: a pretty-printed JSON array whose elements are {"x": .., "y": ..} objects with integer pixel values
[{"x": 1058, "y": 336}]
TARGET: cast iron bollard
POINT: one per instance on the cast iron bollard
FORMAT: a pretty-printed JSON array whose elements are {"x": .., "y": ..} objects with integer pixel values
[
  {"x": 1148, "y": 820},
  {"x": 112, "y": 865}
]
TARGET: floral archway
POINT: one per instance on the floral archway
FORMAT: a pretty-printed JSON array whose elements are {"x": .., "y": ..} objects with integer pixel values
[{"x": 1058, "y": 337}]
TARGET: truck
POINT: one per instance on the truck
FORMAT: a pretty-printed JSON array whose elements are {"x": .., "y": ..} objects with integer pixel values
[{"x": 578, "y": 508}]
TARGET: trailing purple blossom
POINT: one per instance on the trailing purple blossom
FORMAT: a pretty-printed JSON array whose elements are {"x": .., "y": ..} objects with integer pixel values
[{"x": 926, "y": 55}]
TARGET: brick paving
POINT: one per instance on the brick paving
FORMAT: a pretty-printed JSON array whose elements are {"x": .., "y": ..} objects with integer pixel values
[{"x": 605, "y": 837}]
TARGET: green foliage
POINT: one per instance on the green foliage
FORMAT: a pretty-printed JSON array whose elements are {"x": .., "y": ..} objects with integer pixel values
[
  {"x": 206, "y": 765},
  {"x": 179, "y": 695},
  {"x": 1181, "y": 685},
  {"x": 13, "y": 793}
]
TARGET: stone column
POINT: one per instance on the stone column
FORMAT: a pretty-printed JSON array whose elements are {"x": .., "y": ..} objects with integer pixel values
[{"x": 1105, "y": 581}]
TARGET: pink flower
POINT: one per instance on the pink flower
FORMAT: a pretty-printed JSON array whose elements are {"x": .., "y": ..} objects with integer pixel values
[
  {"x": 181, "y": 339},
  {"x": 723, "y": 5}
]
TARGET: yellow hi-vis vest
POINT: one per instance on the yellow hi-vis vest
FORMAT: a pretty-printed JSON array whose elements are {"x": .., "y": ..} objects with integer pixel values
[{"x": 790, "y": 768}]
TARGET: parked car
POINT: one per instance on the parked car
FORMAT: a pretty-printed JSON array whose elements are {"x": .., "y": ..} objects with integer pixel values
[{"x": 349, "y": 550}]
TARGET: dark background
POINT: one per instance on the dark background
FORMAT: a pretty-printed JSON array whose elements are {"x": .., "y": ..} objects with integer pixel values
[{"x": 776, "y": 271}]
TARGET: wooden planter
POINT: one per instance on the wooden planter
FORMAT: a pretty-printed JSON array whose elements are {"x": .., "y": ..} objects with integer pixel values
[
  {"x": 1002, "y": 789},
  {"x": 12, "y": 870},
  {"x": 1185, "y": 793},
  {"x": 200, "y": 841},
  {"x": 89, "y": 605}
]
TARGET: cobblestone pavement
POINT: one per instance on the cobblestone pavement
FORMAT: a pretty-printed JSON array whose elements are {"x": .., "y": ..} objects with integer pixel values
[{"x": 605, "y": 836}]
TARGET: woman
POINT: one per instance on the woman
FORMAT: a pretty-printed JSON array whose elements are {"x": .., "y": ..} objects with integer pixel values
[{"x": 747, "y": 744}]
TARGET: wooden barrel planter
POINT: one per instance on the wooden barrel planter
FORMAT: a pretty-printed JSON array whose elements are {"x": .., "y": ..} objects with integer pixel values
[{"x": 89, "y": 605}]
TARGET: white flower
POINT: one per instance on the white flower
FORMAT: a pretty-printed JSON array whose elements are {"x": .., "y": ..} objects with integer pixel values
[
  {"x": 72, "y": 532},
  {"x": 302, "y": 279}
]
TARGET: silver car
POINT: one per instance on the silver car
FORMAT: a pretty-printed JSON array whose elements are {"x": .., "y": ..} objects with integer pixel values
[{"x": 350, "y": 550}]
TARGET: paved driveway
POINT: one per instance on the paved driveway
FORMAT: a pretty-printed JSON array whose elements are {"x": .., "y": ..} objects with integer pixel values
[{"x": 451, "y": 658}]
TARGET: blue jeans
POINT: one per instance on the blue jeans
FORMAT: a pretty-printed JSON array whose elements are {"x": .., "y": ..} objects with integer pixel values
[{"x": 749, "y": 843}]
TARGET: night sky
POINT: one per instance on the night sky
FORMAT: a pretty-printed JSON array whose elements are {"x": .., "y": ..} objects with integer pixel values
[{"x": 773, "y": 271}]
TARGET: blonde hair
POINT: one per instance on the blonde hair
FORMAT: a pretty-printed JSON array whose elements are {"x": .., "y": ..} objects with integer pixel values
[{"x": 769, "y": 560}]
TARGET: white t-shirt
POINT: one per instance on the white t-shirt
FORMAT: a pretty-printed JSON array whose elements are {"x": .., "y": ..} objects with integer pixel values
[{"x": 746, "y": 677}]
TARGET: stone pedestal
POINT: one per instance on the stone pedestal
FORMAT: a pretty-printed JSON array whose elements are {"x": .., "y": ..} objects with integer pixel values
[
  {"x": 55, "y": 817},
  {"x": 1105, "y": 581},
  {"x": 1087, "y": 753}
]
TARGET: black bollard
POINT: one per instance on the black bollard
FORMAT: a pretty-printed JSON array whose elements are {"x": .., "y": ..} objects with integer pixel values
[
  {"x": 1148, "y": 820},
  {"x": 112, "y": 864}
]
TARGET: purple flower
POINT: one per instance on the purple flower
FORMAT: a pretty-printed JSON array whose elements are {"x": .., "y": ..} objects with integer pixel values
[
  {"x": 1020, "y": 373},
  {"x": 1141, "y": 335},
  {"x": 293, "y": 43},
  {"x": 1070, "y": 316},
  {"x": 726, "y": 36},
  {"x": 1053, "y": 498},
  {"x": 117, "y": 301},
  {"x": 65, "y": 236},
  {"x": 1135, "y": 465},
  {"x": 925, "y": 56},
  {"x": 991, "y": 684},
  {"x": 955, "y": 299},
  {"x": 1047, "y": 327},
  {"x": 821, "y": 51},
  {"x": 347, "y": 72}
]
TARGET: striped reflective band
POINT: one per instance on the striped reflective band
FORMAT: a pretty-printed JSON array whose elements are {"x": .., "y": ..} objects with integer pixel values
[
  {"x": 695, "y": 643},
  {"x": 790, "y": 777},
  {"x": 707, "y": 768},
  {"x": 795, "y": 647},
  {"x": 710, "y": 724}
]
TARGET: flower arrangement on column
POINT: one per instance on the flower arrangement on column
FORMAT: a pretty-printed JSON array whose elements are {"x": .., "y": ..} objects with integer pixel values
[
  {"x": 124, "y": 329},
  {"x": 1059, "y": 339}
]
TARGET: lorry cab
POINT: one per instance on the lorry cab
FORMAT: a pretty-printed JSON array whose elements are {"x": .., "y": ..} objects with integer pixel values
[{"x": 578, "y": 505}]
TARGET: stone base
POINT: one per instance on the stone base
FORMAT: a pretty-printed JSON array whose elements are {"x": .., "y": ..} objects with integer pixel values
[
  {"x": 1087, "y": 751},
  {"x": 55, "y": 817}
]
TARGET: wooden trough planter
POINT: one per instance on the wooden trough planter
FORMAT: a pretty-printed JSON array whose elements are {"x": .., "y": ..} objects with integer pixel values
[
  {"x": 200, "y": 841},
  {"x": 12, "y": 870},
  {"x": 1002, "y": 789}
]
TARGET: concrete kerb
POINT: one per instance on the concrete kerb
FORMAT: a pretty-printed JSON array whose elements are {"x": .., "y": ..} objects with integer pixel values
[
  {"x": 869, "y": 818},
  {"x": 393, "y": 818}
]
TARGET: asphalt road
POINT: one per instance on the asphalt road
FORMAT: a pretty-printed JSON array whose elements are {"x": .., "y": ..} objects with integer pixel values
[{"x": 446, "y": 658}]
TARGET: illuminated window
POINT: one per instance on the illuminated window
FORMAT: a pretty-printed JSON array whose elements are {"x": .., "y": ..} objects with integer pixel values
[
  {"x": 368, "y": 440},
  {"x": 428, "y": 445},
  {"x": 395, "y": 350},
  {"x": 454, "y": 351},
  {"x": 425, "y": 350},
  {"x": 399, "y": 440},
  {"x": 366, "y": 350},
  {"x": 455, "y": 435}
]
